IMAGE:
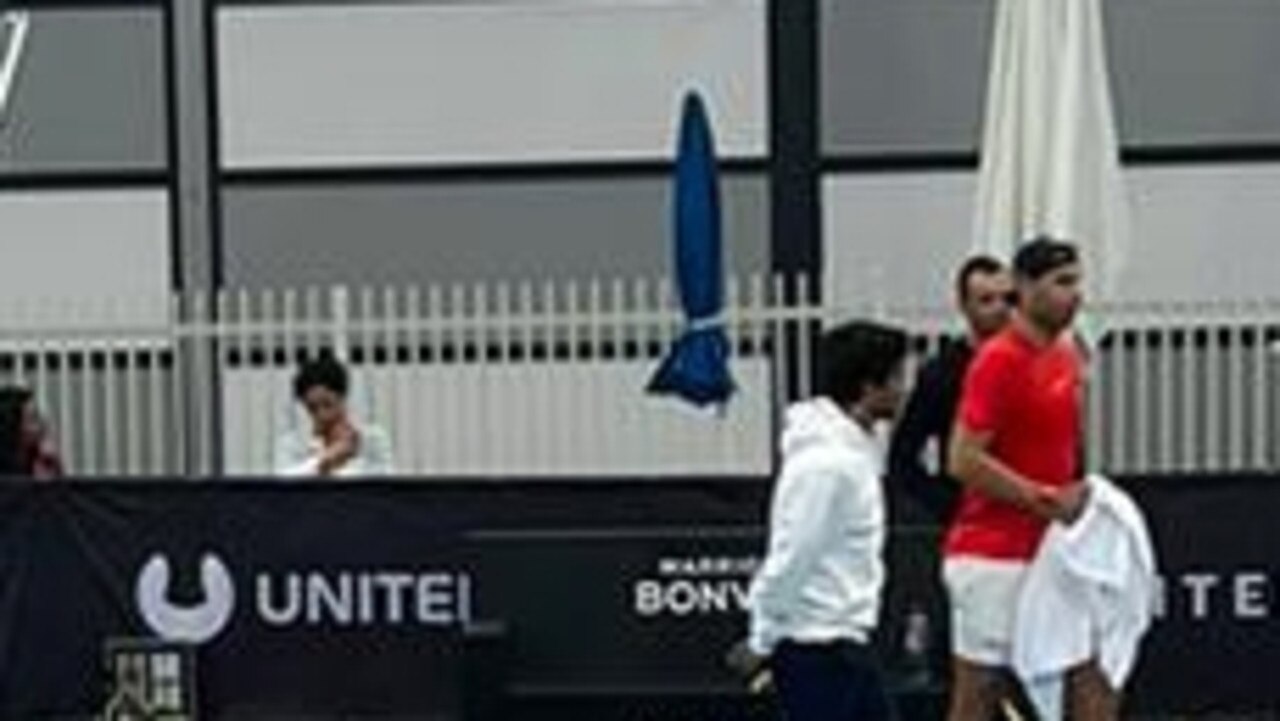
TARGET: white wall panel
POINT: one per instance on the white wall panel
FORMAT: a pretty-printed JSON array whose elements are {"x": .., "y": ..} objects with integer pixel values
[{"x": 558, "y": 419}]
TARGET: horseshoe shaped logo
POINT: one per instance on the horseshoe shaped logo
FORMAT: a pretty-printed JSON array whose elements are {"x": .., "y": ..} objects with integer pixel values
[{"x": 192, "y": 624}]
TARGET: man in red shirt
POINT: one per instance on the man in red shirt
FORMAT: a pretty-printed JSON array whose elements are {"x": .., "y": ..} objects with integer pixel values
[{"x": 1016, "y": 448}]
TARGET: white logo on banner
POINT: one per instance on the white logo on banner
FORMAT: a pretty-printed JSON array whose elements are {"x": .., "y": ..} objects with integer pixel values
[
  {"x": 695, "y": 586},
  {"x": 187, "y": 623},
  {"x": 1245, "y": 596},
  {"x": 369, "y": 598},
  {"x": 342, "y": 599}
]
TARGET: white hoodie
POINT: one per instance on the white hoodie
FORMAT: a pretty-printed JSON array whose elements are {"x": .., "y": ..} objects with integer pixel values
[{"x": 822, "y": 576}]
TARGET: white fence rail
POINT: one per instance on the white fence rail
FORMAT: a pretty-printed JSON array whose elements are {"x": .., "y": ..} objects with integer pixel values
[{"x": 547, "y": 380}]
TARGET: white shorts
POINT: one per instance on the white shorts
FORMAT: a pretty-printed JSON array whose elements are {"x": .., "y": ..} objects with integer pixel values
[{"x": 983, "y": 594}]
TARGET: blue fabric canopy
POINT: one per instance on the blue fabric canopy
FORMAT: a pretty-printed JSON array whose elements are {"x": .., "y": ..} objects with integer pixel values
[{"x": 697, "y": 368}]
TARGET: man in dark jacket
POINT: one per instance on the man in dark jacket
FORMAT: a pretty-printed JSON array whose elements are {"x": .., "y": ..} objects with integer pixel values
[
  {"x": 984, "y": 290},
  {"x": 921, "y": 496}
]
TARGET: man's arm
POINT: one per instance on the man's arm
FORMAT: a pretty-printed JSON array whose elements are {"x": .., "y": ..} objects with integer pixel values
[
  {"x": 340, "y": 450},
  {"x": 798, "y": 529},
  {"x": 970, "y": 461},
  {"x": 984, "y": 408},
  {"x": 925, "y": 416}
]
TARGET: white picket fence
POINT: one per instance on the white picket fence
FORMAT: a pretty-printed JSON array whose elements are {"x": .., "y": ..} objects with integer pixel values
[{"x": 547, "y": 380}]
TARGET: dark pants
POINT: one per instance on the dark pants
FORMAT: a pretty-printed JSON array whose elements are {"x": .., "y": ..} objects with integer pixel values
[{"x": 837, "y": 681}]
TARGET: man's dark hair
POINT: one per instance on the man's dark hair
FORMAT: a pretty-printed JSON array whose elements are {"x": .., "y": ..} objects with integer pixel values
[
  {"x": 13, "y": 461},
  {"x": 975, "y": 265},
  {"x": 857, "y": 354},
  {"x": 324, "y": 371},
  {"x": 1041, "y": 256}
]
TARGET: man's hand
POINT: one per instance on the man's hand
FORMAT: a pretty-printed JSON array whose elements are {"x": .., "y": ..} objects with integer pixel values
[
  {"x": 342, "y": 448},
  {"x": 753, "y": 669},
  {"x": 1061, "y": 504},
  {"x": 1071, "y": 502}
]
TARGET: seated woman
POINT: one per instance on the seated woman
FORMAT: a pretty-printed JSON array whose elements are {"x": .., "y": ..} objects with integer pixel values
[
  {"x": 26, "y": 449},
  {"x": 335, "y": 444}
]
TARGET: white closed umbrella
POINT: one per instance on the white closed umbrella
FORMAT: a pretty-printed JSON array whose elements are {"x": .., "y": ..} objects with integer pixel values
[{"x": 1050, "y": 159}]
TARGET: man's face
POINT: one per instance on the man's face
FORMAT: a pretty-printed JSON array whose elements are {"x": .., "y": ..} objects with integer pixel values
[
  {"x": 986, "y": 302},
  {"x": 325, "y": 408},
  {"x": 1053, "y": 298},
  {"x": 884, "y": 400}
]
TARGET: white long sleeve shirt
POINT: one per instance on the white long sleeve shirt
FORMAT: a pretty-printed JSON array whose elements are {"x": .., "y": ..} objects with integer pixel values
[
  {"x": 297, "y": 455},
  {"x": 822, "y": 576}
]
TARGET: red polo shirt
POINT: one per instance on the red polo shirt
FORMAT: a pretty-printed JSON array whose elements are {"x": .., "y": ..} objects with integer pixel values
[{"x": 1028, "y": 397}]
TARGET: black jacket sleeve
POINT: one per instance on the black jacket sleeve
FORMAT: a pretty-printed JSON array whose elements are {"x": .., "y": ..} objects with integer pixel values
[{"x": 928, "y": 415}]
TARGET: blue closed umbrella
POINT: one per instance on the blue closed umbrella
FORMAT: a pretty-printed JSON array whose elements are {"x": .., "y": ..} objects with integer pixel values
[{"x": 697, "y": 368}]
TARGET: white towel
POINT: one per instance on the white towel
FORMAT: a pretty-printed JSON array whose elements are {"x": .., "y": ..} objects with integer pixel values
[{"x": 1090, "y": 593}]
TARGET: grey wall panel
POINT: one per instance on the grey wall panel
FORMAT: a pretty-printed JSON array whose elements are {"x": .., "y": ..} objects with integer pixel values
[
  {"x": 902, "y": 74},
  {"x": 90, "y": 93},
  {"x": 910, "y": 75},
  {"x": 69, "y": 253},
  {"x": 405, "y": 83},
  {"x": 463, "y": 232},
  {"x": 897, "y": 238},
  {"x": 1190, "y": 71}
]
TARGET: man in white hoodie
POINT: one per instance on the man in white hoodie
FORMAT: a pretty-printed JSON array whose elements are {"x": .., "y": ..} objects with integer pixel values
[
  {"x": 335, "y": 445},
  {"x": 816, "y": 599}
]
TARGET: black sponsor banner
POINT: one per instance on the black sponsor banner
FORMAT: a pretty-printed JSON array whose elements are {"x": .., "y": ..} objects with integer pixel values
[
  {"x": 632, "y": 610},
  {"x": 1216, "y": 646},
  {"x": 333, "y": 600},
  {"x": 305, "y": 600}
]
